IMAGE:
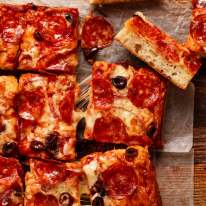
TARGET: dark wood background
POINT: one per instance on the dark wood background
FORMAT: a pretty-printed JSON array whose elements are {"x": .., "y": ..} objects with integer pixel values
[{"x": 200, "y": 139}]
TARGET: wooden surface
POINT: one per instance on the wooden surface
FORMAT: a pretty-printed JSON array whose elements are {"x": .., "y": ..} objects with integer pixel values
[{"x": 200, "y": 139}]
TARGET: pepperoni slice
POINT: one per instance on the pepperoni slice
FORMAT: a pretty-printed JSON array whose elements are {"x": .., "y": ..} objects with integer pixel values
[
  {"x": 44, "y": 200},
  {"x": 102, "y": 93},
  {"x": 49, "y": 173},
  {"x": 66, "y": 107},
  {"x": 97, "y": 33},
  {"x": 53, "y": 28},
  {"x": 192, "y": 62},
  {"x": 198, "y": 28},
  {"x": 31, "y": 104},
  {"x": 145, "y": 29},
  {"x": 109, "y": 129},
  {"x": 145, "y": 89},
  {"x": 120, "y": 180},
  {"x": 168, "y": 49}
]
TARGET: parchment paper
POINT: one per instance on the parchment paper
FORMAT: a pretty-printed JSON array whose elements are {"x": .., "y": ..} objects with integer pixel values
[{"x": 174, "y": 170}]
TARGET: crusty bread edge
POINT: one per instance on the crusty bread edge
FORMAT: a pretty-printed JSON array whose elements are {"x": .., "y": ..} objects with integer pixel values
[{"x": 135, "y": 45}]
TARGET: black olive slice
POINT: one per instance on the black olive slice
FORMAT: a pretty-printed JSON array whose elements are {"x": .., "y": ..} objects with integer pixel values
[
  {"x": 66, "y": 199},
  {"x": 38, "y": 36},
  {"x": 80, "y": 129},
  {"x": 119, "y": 82},
  {"x": 131, "y": 153},
  {"x": 10, "y": 149},
  {"x": 98, "y": 201},
  {"x": 151, "y": 130},
  {"x": 90, "y": 54},
  {"x": 37, "y": 146},
  {"x": 98, "y": 188},
  {"x": 69, "y": 17},
  {"x": 51, "y": 143}
]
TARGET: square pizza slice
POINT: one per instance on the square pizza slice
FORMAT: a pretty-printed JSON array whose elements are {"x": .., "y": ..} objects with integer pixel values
[
  {"x": 197, "y": 38},
  {"x": 11, "y": 184},
  {"x": 52, "y": 184},
  {"x": 164, "y": 54},
  {"x": 12, "y": 27},
  {"x": 50, "y": 40},
  {"x": 121, "y": 177},
  {"x": 8, "y": 116},
  {"x": 126, "y": 105},
  {"x": 46, "y": 107}
]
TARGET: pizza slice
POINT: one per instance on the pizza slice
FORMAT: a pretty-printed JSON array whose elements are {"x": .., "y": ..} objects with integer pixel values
[
  {"x": 11, "y": 185},
  {"x": 8, "y": 116},
  {"x": 121, "y": 178},
  {"x": 46, "y": 107},
  {"x": 52, "y": 184},
  {"x": 50, "y": 40},
  {"x": 126, "y": 105},
  {"x": 197, "y": 38},
  {"x": 172, "y": 60},
  {"x": 12, "y": 26}
]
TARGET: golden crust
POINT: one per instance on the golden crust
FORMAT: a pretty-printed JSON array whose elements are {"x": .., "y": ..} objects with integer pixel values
[{"x": 142, "y": 167}]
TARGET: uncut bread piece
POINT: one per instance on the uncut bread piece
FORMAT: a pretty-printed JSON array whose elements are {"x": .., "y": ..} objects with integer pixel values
[
  {"x": 52, "y": 184},
  {"x": 11, "y": 185},
  {"x": 8, "y": 117},
  {"x": 50, "y": 40},
  {"x": 126, "y": 105},
  {"x": 172, "y": 60},
  {"x": 47, "y": 116},
  {"x": 121, "y": 178},
  {"x": 12, "y": 23},
  {"x": 197, "y": 37}
]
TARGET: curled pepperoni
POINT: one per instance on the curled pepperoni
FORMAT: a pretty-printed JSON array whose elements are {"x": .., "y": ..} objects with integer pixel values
[
  {"x": 198, "y": 28},
  {"x": 49, "y": 173},
  {"x": 40, "y": 199},
  {"x": 66, "y": 107},
  {"x": 97, "y": 33},
  {"x": 109, "y": 129},
  {"x": 30, "y": 104},
  {"x": 145, "y": 89},
  {"x": 53, "y": 28},
  {"x": 102, "y": 93},
  {"x": 120, "y": 180}
]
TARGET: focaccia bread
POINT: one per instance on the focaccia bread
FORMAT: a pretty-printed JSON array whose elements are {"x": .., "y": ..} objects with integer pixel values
[
  {"x": 126, "y": 105},
  {"x": 197, "y": 37},
  {"x": 164, "y": 54},
  {"x": 8, "y": 116},
  {"x": 121, "y": 178},
  {"x": 11, "y": 182},
  {"x": 52, "y": 184},
  {"x": 46, "y": 107}
]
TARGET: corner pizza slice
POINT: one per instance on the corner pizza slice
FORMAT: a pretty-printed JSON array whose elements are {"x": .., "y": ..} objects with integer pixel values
[
  {"x": 52, "y": 184},
  {"x": 121, "y": 178},
  {"x": 126, "y": 105},
  {"x": 164, "y": 54},
  {"x": 8, "y": 116},
  {"x": 46, "y": 107},
  {"x": 11, "y": 185},
  {"x": 197, "y": 38},
  {"x": 50, "y": 40},
  {"x": 12, "y": 27}
]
